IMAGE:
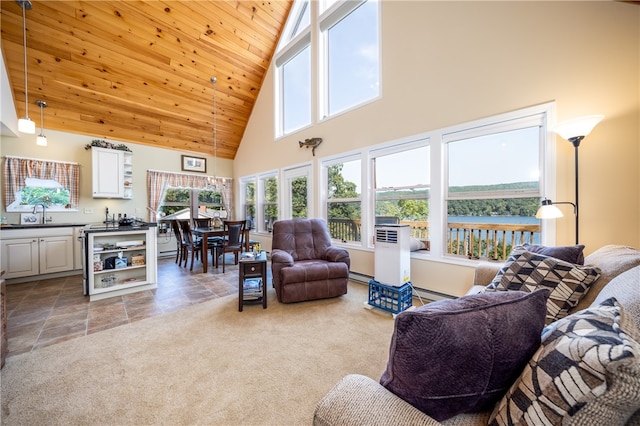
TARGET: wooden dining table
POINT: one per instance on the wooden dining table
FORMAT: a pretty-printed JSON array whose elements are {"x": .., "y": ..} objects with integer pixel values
[{"x": 207, "y": 232}]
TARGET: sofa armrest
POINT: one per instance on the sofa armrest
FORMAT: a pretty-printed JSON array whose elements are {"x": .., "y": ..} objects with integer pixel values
[
  {"x": 486, "y": 272},
  {"x": 360, "y": 400}
]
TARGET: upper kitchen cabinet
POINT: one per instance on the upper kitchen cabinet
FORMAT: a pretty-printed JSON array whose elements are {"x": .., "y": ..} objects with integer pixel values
[{"x": 112, "y": 173}]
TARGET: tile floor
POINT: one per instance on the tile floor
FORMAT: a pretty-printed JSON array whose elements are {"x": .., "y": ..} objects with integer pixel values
[{"x": 42, "y": 313}]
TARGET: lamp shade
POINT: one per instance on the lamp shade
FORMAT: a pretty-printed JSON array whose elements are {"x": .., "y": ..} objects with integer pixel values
[
  {"x": 580, "y": 126},
  {"x": 41, "y": 140},
  {"x": 548, "y": 212},
  {"x": 26, "y": 125}
]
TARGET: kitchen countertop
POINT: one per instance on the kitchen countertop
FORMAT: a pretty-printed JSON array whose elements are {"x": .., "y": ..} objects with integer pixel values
[
  {"x": 90, "y": 227},
  {"x": 114, "y": 227},
  {"x": 40, "y": 225}
]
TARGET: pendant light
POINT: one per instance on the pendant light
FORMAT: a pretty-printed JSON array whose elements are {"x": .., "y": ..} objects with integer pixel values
[
  {"x": 41, "y": 139},
  {"x": 25, "y": 125}
]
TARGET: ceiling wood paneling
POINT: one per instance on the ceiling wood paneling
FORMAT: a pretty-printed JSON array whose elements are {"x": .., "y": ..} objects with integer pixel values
[{"x": 139, "y": 71}]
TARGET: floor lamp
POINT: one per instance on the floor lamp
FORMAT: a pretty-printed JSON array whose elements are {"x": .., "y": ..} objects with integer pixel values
[{"x": 574, "y": 131}]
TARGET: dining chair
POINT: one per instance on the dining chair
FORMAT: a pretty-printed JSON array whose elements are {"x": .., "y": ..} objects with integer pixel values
[
  {"x": 232, "y": 241},
  {"x": 177, "y": 232},
  {"x": 190, "y": 244},
  {"x": 211, "y": 241},
  {"x": 202, "y": 222}
]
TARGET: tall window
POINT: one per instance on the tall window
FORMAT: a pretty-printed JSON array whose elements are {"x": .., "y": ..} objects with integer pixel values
[
  {"x": 296, "y": 91},
  {"x": 401, "y": 186},
  {"x": 293, "y": 71},
  {"x": 346, "y": 71},
  {"x": 350, "y": 54},
  {"x": 343, "y": 180},
  {"x": 248, "y": 200},
  {"x": 269, "y": 184},
  {"x": 493, "y": 180},
  {"x": 298, "y": 190}
]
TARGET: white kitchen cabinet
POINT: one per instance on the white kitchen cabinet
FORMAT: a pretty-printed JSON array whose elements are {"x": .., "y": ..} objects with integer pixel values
[
  {"x": 136, "y": 269},
  {"x": 56, "y": 254},
  {"x": 20, "y": 257},
  {"x": 112, "y": 172},
  {"x": 28, "y": 252}
]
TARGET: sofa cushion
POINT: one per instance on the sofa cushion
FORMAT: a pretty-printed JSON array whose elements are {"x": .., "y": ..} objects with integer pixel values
[
  {"x": 626, "y": 289},
  {"x": 313, "y": 270},
  {"x": 612, "y": 260},
  {"x": 587, "y": 371},
  {"x": 571, "y": 254},
  {"x": 527, "y": 271},
  {"x": 460, "y": 356}
]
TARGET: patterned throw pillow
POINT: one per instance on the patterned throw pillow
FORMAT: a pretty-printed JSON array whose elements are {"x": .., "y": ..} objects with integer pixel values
[
  {"x": 587, "y": 371},
  {"x": 571, "y": 254},
  {"x": 527, "y": 271}
]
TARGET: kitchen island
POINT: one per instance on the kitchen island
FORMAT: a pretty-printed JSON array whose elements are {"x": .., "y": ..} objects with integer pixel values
[{"x": 119, "y": 260}]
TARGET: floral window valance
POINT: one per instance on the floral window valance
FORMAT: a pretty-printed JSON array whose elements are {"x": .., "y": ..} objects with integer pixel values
[{"x": 29, "y": 181}]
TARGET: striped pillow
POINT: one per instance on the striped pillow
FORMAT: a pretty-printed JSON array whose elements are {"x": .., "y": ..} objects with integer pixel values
[
  {"x": 587, "y": 371},
  {"x": 527, "y": 271}
]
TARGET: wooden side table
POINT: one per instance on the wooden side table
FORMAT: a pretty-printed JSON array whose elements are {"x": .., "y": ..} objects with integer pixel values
[{"x": 253, "y": 268}]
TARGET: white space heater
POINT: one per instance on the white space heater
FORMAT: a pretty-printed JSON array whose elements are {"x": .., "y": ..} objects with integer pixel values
[{"x": 392, "y": 254}]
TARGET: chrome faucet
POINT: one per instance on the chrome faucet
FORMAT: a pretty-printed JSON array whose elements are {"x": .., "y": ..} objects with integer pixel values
[{"x": 44, "y": 211}]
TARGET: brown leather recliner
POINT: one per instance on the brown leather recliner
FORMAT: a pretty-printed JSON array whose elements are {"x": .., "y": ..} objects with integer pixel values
[{"x": 304, "y": 264}]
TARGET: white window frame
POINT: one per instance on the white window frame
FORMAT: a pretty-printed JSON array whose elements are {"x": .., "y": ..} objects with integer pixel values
[
  {"x": 261, "y": 202},
  {"x": 326, "y": 20},
  {"x": 393, "y": 148},
  {"x": 314, "y": 37},
  {"x": 437, "y": 211},
  {"x": 243, "y": 198},
  {"x": 294, "y": 172},
  {"x": 288, "y": 49},
  {"x": 323, "y": 193}
]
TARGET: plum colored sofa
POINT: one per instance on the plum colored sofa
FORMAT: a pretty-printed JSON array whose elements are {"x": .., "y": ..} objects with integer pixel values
[
  {"x": 304, "y": 264},
  {"x": 361, "y": 400}
]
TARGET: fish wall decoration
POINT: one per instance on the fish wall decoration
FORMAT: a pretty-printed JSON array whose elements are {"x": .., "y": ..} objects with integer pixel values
[{"x": 312, "y": 142}]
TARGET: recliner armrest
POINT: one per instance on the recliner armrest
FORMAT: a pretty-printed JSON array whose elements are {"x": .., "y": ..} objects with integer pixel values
[
  {"x": 281, "y": 256},
  {"x": 337, "y": 254}
]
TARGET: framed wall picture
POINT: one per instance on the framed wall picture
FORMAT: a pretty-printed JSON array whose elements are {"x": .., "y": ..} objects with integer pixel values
[{"x": 194, "y": 164}]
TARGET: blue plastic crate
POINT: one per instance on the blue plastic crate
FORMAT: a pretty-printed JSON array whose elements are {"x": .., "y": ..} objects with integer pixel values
[{"x": 390, "y": 298}]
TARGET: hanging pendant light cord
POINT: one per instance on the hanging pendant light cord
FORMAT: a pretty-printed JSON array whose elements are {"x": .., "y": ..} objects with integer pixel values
[
  {"x": 215, "y": 133},
  {"x": 26, "y": 86}
]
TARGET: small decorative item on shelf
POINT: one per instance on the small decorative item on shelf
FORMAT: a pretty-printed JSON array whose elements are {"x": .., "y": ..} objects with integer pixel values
[
  {"x": 137, "y": 260},
  {"x": 98, "y": 265},
  {"x": 104, "y": 144}
]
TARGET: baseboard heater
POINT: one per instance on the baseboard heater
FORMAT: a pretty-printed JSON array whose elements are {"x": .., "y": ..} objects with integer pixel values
[{"x": 429, "y": 295}]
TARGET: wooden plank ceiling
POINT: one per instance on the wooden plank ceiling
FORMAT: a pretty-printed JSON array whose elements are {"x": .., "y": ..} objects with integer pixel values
[{"x": 140, "y": 71}]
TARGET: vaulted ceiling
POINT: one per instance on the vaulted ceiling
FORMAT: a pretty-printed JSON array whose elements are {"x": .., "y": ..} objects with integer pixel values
[{"x": 140, "y": 71}]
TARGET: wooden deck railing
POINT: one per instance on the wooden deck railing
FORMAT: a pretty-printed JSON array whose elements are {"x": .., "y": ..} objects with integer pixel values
[
  {"x": 473, "y": 240},
  {"x": 488, "y": 240}
]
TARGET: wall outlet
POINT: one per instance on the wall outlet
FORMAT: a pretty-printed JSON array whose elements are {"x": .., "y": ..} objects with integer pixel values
[{"x": 88, "y": 210}]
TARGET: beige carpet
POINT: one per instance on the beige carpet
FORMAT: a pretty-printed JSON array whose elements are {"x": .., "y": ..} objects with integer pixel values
[{"x": 206, "y": 365}]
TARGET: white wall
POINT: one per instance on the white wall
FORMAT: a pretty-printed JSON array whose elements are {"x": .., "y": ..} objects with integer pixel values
[{"x": 450, "y": 62}]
